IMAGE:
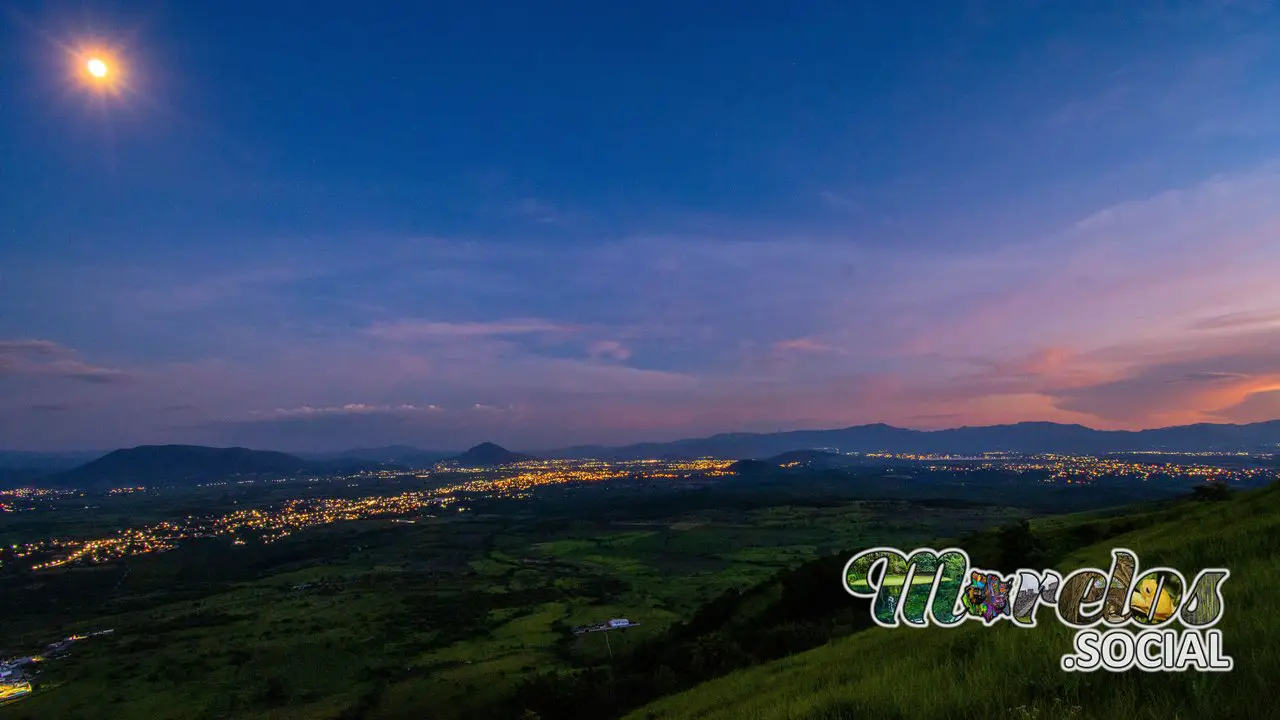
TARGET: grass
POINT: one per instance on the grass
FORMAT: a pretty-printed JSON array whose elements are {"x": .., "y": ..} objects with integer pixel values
[
  {"x": 1005, "y": 671},
  {"x": 398, "y": 621}
]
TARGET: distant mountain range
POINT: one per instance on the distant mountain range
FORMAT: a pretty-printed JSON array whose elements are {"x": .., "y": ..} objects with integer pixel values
[
  {"x": 20, "y": 468},
  {"x": 188, "y": 465},
  {"x": 488, "y": 455},
  {"x": 185, "y": 463},
  {"x": 395, "y": 454},
  {"x": 47, "y": 461},
  {"x": 194, "y": 464},
  {"x": 1028, "y": 437},
  {"x": 483, "y": 455}
]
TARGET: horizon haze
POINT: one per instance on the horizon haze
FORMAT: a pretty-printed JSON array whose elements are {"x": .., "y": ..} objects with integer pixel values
[{"x": 1021, "y": 437}]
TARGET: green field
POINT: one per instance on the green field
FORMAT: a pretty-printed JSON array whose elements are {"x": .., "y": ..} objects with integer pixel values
[
  {"x": 736, "y": 588},
  {"x": 978, "y": 672},
  {"x": 444, "y": 618}
]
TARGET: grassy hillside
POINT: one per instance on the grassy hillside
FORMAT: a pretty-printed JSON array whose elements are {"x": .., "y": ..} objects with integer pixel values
[
  {"x": 973, "y": 671},
  {"x": 444, "y": 618}
]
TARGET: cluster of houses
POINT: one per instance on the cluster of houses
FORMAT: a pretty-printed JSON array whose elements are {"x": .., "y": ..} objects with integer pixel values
[
  {"x": 13, "y": 680},
  {"x": 615, "y": 624},
  {"x": 15, "y": 674}
]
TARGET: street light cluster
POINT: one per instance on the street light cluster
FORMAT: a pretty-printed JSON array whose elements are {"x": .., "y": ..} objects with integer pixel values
[{"x": 269, "y": 524}]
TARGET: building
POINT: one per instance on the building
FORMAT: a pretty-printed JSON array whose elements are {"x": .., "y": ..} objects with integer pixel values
[{"x": 13, "y": 690}]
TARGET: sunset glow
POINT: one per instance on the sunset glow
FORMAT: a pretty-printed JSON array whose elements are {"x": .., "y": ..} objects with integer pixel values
[{"x": 297, "y": 252}]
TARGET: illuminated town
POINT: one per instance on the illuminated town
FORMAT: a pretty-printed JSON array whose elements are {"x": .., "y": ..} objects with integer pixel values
[
  {"x": 1083, "y": 468},
  {"x": 520, "y": 480},
  {"x": 26, "y": 498},
  {"x": 274, "y": 523},
  {"x": 15, "y": 682}
]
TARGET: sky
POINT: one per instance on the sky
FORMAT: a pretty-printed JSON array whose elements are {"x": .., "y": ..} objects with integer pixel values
[{"x": 325, "y": 225}]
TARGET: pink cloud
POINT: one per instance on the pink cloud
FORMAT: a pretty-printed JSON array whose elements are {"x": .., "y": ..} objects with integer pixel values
[
  {"x": 348, "y": 409},
  {"x": 1159, "y": 310},
  {"x": 803, "y": 345},
  {"x": 49, "y": 359},
  {"x": 608, "y": 349},
  {"x": 1258, "y": 406},
  {"x": 1238, "y": 320},
  {"x": 420, "y": 329}
]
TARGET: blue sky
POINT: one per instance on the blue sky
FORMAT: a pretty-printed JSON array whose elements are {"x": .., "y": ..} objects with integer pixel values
[{"x": 318, "y": 225}]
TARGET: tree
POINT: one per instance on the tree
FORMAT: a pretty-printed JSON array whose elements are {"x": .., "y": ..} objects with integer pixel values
[
  {"x": 665, "y": 680},
  {"x": 1019, "y": 547},
  {"x": 1212, "y": 491}
]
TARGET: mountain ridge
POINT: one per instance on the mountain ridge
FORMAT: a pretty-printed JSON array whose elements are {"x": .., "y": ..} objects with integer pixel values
[
  {"x": 185, "y": 464},
  {"x": 488, "y": 454},
  {"x": 1024, "y": 437}
]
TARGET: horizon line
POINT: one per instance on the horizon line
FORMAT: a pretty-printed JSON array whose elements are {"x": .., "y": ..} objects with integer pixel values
[{"x": 649, "y": 442}]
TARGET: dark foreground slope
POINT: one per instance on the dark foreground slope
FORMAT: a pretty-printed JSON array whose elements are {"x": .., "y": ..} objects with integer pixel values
[{"x": 973, "y": 671}]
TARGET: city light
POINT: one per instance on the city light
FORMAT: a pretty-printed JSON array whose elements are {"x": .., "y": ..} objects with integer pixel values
[
  {"x": 520, "y": 480},
  {"x": 271, "y": 524}
]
